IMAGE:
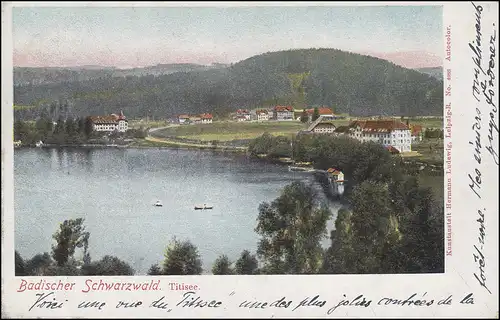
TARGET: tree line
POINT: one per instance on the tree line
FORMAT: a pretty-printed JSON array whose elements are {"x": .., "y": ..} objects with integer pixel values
[
  {"x": 356, "y": 84},
  {"x": 72, "y": 131},
  {"x": 181, "y": 258}
]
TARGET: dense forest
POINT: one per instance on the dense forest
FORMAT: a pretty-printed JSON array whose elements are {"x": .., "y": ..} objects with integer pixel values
[
  {"x": 37, "y": 76},
  {"x": 351, "y": 83},
  {"x": 436, "y": 72}
]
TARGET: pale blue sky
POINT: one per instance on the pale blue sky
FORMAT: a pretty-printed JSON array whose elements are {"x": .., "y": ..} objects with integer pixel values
[{"x": 147, "y": 36}]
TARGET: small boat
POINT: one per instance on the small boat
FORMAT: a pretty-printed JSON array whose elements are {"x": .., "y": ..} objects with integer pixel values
[
  {"x": 203, "y": 207},
  {"x": 158, "y": 204},
  {"x": 39, "y": 144}
]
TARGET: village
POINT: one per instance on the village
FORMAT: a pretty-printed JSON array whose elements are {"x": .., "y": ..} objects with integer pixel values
[{"x": 395, "y": 134}]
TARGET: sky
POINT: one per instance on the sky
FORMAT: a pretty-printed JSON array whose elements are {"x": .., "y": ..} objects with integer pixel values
[{"x": 124, "y": 37}]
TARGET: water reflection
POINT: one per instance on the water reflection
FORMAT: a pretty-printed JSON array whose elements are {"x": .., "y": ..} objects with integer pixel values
[{"x": 114, "y": 189}]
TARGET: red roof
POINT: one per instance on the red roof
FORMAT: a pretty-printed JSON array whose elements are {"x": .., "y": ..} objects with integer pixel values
[
  {"x": 391, "y": 149},
  {"x": 262, "y": 111},
  {"x": 333, "y": 171},
  {"x": 322, "y": 111},
  {"x": 183, "y": 116},
  {"x": 111, "y": 119},
  {"x": 379, "y": 125},
  {"x": 283, "y": 108},
  {"x": 206, "y": 116},
  {"x": 415, "y": 129},
  {"x": 243, "y": 111}
]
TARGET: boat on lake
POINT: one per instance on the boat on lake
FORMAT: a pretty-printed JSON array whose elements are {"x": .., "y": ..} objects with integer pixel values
[
  {"x": 158, "y": 204},
  {"x": 203, "y": 207}
]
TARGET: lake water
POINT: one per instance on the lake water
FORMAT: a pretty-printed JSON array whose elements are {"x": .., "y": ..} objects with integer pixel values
[{"x": 114, "y": 191}]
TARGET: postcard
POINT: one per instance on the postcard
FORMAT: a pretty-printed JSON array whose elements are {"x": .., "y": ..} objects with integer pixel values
[{"x": 249, "y": 159}]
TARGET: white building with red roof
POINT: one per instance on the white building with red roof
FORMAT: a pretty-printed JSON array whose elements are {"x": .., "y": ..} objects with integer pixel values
[
  {"x": 386, "y": 132},
  {"x": 262, "y": 115},
  {"x": 283, "y": 113},
  {"x": 110, "y": 123},
  {"x": 243, "y": 115},
  {"x": 206, "y": 118}
]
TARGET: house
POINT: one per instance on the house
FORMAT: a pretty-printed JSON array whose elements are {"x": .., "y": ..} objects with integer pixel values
[
  {"x": 336, "y": 175},
  {"x": 183, "y": 118},
  {"x": 262, "y": 115},
  {"x": 386, "y": 132},
  {"x": 283, "y": 113},
  {"x": 206, "y": 118},
  {"x": 324, "y": 127},
  {"x": 109, "y": 123},
  {"x": 242, "y": 115},
  {"x": 323, "y": 111}
]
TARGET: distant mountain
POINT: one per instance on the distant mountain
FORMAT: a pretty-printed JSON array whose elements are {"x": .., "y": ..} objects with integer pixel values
[
  {"x": 38, "y": 76},
  {"x": 352, "y": 83},
  {"x": 436, "y": 72}
]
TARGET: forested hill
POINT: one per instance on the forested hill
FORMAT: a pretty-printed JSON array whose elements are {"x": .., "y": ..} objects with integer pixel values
[
  {"x": 359, "y": 85},
  {"x": 38, "y": 76},
  {"x": 436, "y": 72}
]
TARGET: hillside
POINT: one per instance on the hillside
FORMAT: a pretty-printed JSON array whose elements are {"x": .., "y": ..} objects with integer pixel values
[
  {"x": 38, "y": 76},
  {"x": 436, "y": 72},
  {"x": 352, "y": 83}
]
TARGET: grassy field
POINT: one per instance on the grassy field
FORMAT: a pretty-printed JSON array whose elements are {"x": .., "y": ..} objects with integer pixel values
[
  {"x": 136, "y": 124},
  {"x": 227, "y": 131},
  {"x": 431, "y": 123},
  {"x": 430, "y": 149}
]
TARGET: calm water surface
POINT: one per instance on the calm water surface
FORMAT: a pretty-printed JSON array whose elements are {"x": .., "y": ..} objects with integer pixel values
[{"x": 114, "y": 191}]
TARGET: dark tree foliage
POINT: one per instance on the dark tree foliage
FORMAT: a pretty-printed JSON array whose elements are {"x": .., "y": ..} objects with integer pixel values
[
  {"x": 182, "y": 258},
  {"x": 154, "y": 270},
  {"x": 355, "y": 84},
  {"x": 222, "y": 265},
  {"x": 20, "y": 269},
  {"x": 70, "y": 236},
  {"x": 291, "y": 228},
  {"x": 246, "y": 263},
  {"x": 108, "y": 266}
]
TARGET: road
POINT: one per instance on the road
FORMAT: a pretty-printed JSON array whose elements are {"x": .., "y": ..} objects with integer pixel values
[{"x": 152, "y": 138}]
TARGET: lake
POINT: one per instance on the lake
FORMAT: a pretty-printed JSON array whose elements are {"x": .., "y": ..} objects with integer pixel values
[{"x": 114, "y": 191}]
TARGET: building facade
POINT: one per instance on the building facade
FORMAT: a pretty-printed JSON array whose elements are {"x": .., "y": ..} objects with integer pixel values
[
  {"x": 262, "y": 115},
  {"x": 386, "y": 132},
  {"x": 324, "y": 127},
  {"x": 206, "y": 118},
  {"x": 243, "y": 115},
  {"x": 109, "y": 123},
  {"x": 283, "y": 113}
]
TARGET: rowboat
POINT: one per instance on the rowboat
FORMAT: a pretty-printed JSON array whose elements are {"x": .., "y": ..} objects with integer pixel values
[
  {"x": 204, "y": 207},
  {"x": 158, "y": 204}
]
